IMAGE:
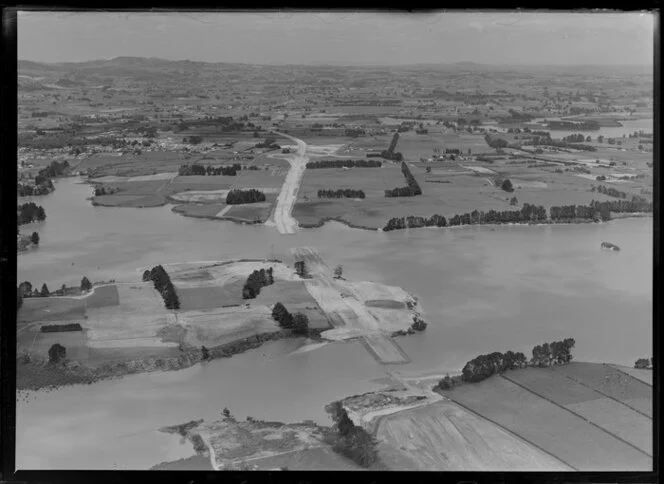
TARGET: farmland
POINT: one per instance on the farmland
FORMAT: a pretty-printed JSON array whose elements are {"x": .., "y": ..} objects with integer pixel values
[{"x": 570, "y": 421}]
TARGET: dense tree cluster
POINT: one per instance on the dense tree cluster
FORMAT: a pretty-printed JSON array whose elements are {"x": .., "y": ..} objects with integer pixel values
[
  {"x": 298, "y": 322},
  {"x": 30, "y": 212},
  {"x": 495, "y": 143},
  {"x": 353, "y": 441},
  {"x": 162, "y": 283},
  {"x": 53, "y": 170},
  {"x": 256, "y": 281},
  {"x": 236, "y": 197},
  {"x": 575, "y": 138},
  {"x": 99, "y": 191},
  {"x": 60, "y": 328},
  {"x": 281, "y": 315},
  {"x": 269, "y": 143},
  {"x": 506, "y": 185},
  {"x": 644, "y": 363},
  {"x": 226, "y": 124},
  {"x": 56, "y": 353},
  {"x": 25, "y": 190},
  {"x": 344, "y": 164},
  {"x": 484, "y": 366},
  {"x": 413, "y": 188},
  {"x": 341, "y": 193},
  {"x": 612, "y": 192},
  {"x": 200, "y": 170}
]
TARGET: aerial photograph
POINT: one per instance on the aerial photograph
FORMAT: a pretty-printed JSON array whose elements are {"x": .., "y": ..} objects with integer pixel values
[{"x": 335, "y": 240}]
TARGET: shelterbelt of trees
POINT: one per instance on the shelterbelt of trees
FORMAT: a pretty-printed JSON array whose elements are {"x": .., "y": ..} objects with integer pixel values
[
  {"x": 596, "y": 211},
  {"x": 200, "y": 170},
  {"x": 162, "y": 283},
  {"x": 256, "y": 281},
  {"x": 344, "y": 164},
  {"x": 413, "y": 188},
  {"x": 236, "y": 197},
  {"x": 341, "y": 193},
  {"x": 484, "y": 366},
  {"x": 610, "y": 191},
  {"x": 30, "y": 212}
]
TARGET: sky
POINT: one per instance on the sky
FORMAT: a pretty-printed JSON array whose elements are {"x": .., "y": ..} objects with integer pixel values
[{"x": 341, "y": 38}]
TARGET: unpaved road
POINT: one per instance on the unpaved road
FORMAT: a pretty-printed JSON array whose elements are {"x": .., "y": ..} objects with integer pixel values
[
  {"x": 345, "y": 308},
  {"x": 283, "y": 219}
]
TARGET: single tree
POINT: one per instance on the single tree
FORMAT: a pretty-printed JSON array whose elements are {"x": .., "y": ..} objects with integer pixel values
[
  {"x": 428, "y": 169},
  {"x": 56, "y": 353},
  {"x": 514, "y": 201},
  {"x": 63, "y": 289},
  {"x": 338, "y": 271},
  {"x": 34, "y": 238},
  {"x": 226, "y": 412},
  {"x": 146, "y": 276},
  {"x": 25, "y": 288},
  {"x": 301, "y": 268},
  {"x": 85, "y": 284},
  {"x": 44, "y": 291},
  {"x": 205, "y": 353},
  {"x": 507, "y": 185}
]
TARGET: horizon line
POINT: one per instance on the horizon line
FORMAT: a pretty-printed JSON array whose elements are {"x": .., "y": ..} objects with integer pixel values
[{"x": 334, "y": 64}]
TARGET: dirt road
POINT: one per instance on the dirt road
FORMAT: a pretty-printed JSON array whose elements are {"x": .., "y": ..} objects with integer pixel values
[
  {"x": 283, "y": 219},
  {"x": 346, "y": 310}
]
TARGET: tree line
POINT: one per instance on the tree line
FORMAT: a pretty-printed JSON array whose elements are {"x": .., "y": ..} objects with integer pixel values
[
  {"x": 60, "y": 328},
  {"x": 25, "y": 289},
  {"x": 483, "y": 366},
  {"x": 297, "y": 322},
  {"x": 389, "y": 153},
  {"x": 344, "y": 164},
  {"x": 236, "y": 197},
  {"x": 612, "y": 192},
  {"x": 544, "y": 141},
  {"x": 200, "y": 170},
  {"x": 162, "y": 283},
  {"x": 341, "y": 193},
  {"x": 352, "y": 441},
  {"x": 528, "y": 214},
  {"x": 30, "y": 212},
  {"x": 413, "y": 188},
  {"x": 256, "y": 280},
  {"x": 99, "y": 191}
]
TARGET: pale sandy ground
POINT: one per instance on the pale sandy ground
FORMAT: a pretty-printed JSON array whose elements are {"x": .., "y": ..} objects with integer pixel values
[
  {"x": 345, "y": 308},
  {"x": 220, "y": 275},
  {"x": 323, "y": 150},
  {"x": 200, "y": 196},
  {"x": 282, "y": 216},
  {"x": 112, "y": 179},
  {"x": 480, "y": 169}
]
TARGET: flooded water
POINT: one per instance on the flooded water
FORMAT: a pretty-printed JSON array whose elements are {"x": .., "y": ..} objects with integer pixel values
[
  {"x": 482, "y": 289},
  {"x": 628, "y": 127}
]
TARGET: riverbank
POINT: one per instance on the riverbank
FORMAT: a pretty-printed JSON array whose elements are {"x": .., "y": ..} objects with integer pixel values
[{"x": 37, "y": 374}]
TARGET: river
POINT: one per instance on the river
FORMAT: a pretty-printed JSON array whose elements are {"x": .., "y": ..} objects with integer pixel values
[{"x": 482, "y": 289}]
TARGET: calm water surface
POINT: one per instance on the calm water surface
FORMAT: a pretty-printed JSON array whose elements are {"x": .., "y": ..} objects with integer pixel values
[{"x": 481, "y": 290}]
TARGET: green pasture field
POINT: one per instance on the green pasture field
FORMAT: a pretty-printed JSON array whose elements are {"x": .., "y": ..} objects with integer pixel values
[
  {"x": 210, "y": 297},
  {"x": 199, "y": 209},
  {"x": 51, "y": 309},
  {"x": 613, "y": 383},
  {"x": 555, "y": 430},
  {"x": 252, "y": 211},
  {"x": 103, "y": 296}
]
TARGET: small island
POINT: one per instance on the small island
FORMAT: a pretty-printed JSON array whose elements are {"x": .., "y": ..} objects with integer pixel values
[{"x": 610, "y": 246}]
